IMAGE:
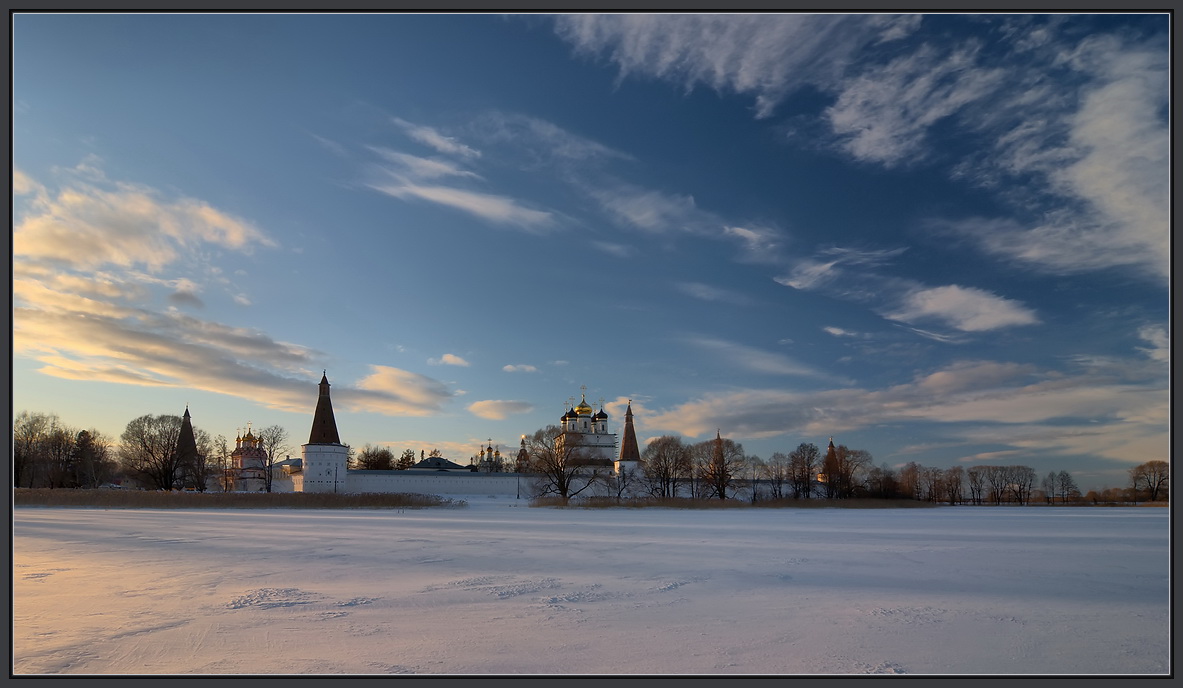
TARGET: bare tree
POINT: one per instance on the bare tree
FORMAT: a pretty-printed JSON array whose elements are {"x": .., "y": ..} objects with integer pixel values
[
  {"x": 1022, "y": 480},
  {"x": 148, "y": 450},
  {"x": 58, "y": 455},
  {"x": 931, "y": 483},
  {"x": 881, "y": 481},
  {"x": 1048, "y": 485},
  {"x": 28, "y": 439},
  {"x": 1067, "y": 487},
  {"x": 910, "y": 480},
  {"x": 218, "y": 461},
  {"x": 720, "y": 470},
  {"x": 666, "y": 461},
  {"x": 803, "y": 465},
  {"x": 996, "y": 480},
  {"x": 977, "y": 482},
  {"x": 274, "y": 439},
  {"x": 778, "y": 474},
  {"x": 954, "y": 479},
  {"x": 560, "y": 468},
  {"x": 623, "y": 483},
  {"x": 204, "y": 467},
  {"x": 841, "y": 468},
  {"x": 1153, "y": 476}
]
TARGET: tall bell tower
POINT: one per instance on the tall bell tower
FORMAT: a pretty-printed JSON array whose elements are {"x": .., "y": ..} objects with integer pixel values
[{"x": 325, "y": 466}]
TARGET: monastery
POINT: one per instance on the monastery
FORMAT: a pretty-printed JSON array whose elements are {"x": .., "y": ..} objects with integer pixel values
[{"x": 323, "y": 464}]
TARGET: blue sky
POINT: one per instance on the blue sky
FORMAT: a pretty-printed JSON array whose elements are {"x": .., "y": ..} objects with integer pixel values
[{"x": 938, "y": 238}]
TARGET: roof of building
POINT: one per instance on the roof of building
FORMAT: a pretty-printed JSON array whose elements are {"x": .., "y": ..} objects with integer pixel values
[
  {"x": 186, "y": 450},
  {"x": 628, "y": 445},
  {"x": 324, "y": 424},
  {"x": 439, "y": 463}
]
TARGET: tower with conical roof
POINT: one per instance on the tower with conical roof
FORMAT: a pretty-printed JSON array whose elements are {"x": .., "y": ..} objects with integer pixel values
[
  {"x": 325, "y": 460},
  {"x": 630, "y": 455},
  {"x": 185, "y": 455}
]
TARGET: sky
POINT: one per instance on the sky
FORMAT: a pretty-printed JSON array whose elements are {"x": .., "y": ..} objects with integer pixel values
[{"x": 940, "y": 238}]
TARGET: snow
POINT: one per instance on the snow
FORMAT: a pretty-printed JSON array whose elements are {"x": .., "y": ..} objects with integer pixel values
[{"x": 500, "y": 588}]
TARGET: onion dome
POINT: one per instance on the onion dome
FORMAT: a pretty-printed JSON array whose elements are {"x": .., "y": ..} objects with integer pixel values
[
  {"x": 601, "y": 415},
  {"x": 584, "y": 409}
]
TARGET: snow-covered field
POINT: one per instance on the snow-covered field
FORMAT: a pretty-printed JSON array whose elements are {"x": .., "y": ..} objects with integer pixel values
[{"x": 499, "y": 588}]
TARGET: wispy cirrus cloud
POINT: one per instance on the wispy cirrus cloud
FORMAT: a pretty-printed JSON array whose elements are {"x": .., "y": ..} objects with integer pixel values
[
  {"x": 432, "y": 138},
  {"x": 766, "y": 56},
  {"x": 830, "y": 263},
  {"x": 756, "y": 360},
  {"x": 499, "y": 409},
  {"x": 1071, "y": 128},
  {"x": 1102, "y": 164},
  {"x": 654, "y": 211},
  {"x": 883, "y": 115},
  {"x": 706, "y": 292},
  {"x": 423, "y": 168},
  {"x": 531, "y": 142},
  {"x": 760, "y": 244},
  {"x": 411, "y": 177},
  {"x": 499, "y": 209}
]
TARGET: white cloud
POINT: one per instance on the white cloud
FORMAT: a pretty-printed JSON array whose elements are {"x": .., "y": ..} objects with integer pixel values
[
  {"x": 706, "y": 292},
  {"x": 499, "y": 209},
  {"x": 760, "y": 244},
  {"x": 81, "y": 322},
  {"x": 423, "y": 168},
  {"x": 519, "y": 369},
  {"x": 839, "y": 332},
  {"x": 765, "y": 55},
  {"x": 448, "y": 359},
  {"x": 653, "y": 211},
  {"x": 883, "y": 114},
  {"x": 88, "y": 226},
  {"x": 498, "y": 409},
  {"x": 540, "y": 141},
  {"x": 395, "y": 392},
  {"x": 1111, "y": 177},
  {"x": 813, "y": 273},
  {"x": 618, "y": 250},
  {"x": 965, "y": 308},
  {"x": 979, "y": 401},
  {"x": 1160, "y": 343},
  {"x": 432, "y": 138},
  {"x": 755, "y": 359}
]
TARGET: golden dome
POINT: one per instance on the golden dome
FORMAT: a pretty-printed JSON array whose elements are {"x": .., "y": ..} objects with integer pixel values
[{"x": 584, "y": 409}]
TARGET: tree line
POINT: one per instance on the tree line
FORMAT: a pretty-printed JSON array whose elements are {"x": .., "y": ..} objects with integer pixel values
[
  {"x": 720, "y": 469},
  {"x": 376, "y": 458},
  {"x": 47, "y": 453}
]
